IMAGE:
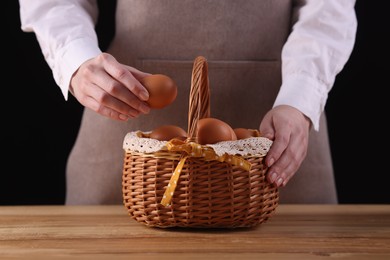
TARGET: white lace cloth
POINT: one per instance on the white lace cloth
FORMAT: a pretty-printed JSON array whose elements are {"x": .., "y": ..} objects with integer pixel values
[{"x": 249, "y": 146}]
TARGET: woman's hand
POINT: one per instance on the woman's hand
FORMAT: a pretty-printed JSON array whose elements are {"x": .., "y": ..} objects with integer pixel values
[
  {"x": 289, "y": 130},
  {"x": 110, "y": 88}
]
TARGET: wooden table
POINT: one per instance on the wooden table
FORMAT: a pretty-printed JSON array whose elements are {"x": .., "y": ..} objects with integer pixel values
[{"x": 107, "y": 232}]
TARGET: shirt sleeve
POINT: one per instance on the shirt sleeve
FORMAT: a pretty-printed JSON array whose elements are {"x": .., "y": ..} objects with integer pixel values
[
  {"x": 65, "y": 31},
  {"x": 318, "y": 47}
]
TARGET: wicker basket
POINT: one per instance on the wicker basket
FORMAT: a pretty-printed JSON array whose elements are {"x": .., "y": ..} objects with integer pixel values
[{"x": 205, "y": 193}]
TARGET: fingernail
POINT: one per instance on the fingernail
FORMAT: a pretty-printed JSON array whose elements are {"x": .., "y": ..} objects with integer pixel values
[
  {"x": 273, "y": 177},
  {"x": 144, "y": 95},
  {"x": 123, "y": 117},
  {"x": 279, "y": 182}
]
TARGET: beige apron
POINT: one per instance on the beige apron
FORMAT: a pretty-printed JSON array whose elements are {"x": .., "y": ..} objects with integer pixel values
[{"x": 242, "y": 41}]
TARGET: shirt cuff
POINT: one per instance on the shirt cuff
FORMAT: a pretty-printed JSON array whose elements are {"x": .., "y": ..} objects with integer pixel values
[
  {"x": 74, "y": 54},
  {"x": 305, "y": 94}
]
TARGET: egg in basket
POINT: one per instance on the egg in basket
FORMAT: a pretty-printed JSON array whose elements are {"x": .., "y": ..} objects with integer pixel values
[{"x": 210, "y": 176}]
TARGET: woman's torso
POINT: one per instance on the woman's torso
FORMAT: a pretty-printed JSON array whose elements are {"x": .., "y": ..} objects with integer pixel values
[{"x": 242, "y": 41}]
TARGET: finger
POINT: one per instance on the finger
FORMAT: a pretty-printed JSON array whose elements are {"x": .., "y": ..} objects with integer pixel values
[
  {"x": 103, "y": 100},
  {"x": 282, "y": 171},
  {"x": 289, "y": 162},
  {"x": 124, "y": 76},
  {"x": 92, "y": 104},
  {"x": 119, "y": 92},
  {"x": 137, "y": 73},
  {"x": 279, "y": 145},
  {"x": 266, "y": 128}
]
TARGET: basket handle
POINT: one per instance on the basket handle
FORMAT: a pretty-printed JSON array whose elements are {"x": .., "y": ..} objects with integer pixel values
[{"x": 199, "y": 103}]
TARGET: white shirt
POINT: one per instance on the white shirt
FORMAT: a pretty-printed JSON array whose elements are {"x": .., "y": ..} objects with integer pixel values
[{"x": 317, "y": 49}]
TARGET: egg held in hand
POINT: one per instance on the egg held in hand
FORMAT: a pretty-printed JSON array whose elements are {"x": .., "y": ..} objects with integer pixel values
[
  {"x": 212, "y": 130},
  {"x": 168, "y": 132},
  {"x": 162, "y": 90}
]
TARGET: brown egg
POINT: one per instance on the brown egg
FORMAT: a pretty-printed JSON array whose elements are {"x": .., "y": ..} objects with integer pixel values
[
  {"x": 243, "y": 133},
  {"x": 168, "y": 132},
  {"x": 234, "y": 136},
  {"x": 162, "y": 90},
  {"x": 212, "y": 130}
]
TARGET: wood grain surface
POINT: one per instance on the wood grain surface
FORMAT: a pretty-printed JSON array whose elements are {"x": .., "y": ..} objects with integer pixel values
[{"x": 108, "y": 232}]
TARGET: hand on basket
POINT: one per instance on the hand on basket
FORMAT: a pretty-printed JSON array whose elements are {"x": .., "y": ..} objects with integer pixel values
[
  {"x": 289, "y": 130},
  {"x": 110, "y": 88}
]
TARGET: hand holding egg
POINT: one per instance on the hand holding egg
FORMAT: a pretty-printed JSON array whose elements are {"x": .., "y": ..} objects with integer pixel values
[{"x": 162, "y": 90}]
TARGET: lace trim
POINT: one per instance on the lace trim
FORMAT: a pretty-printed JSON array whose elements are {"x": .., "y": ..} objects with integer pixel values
[{"x": 137, "y": 142}]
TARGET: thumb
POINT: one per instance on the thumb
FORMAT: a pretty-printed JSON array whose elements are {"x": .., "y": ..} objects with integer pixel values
[{"x": 266, "y": 128}]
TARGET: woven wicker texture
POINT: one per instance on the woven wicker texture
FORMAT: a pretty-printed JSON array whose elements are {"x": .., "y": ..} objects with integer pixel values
[{"x": 208, "y": 194}]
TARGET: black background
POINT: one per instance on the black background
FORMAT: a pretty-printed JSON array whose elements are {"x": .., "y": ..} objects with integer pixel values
[{"x": 39, "y": 126}]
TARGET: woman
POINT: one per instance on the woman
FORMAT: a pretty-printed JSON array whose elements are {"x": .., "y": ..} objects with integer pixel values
[{"x": 271, "y": 65}]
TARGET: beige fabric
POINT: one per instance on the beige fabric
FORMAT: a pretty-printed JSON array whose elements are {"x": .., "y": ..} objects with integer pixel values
[{"x": 242, "y": 41}]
